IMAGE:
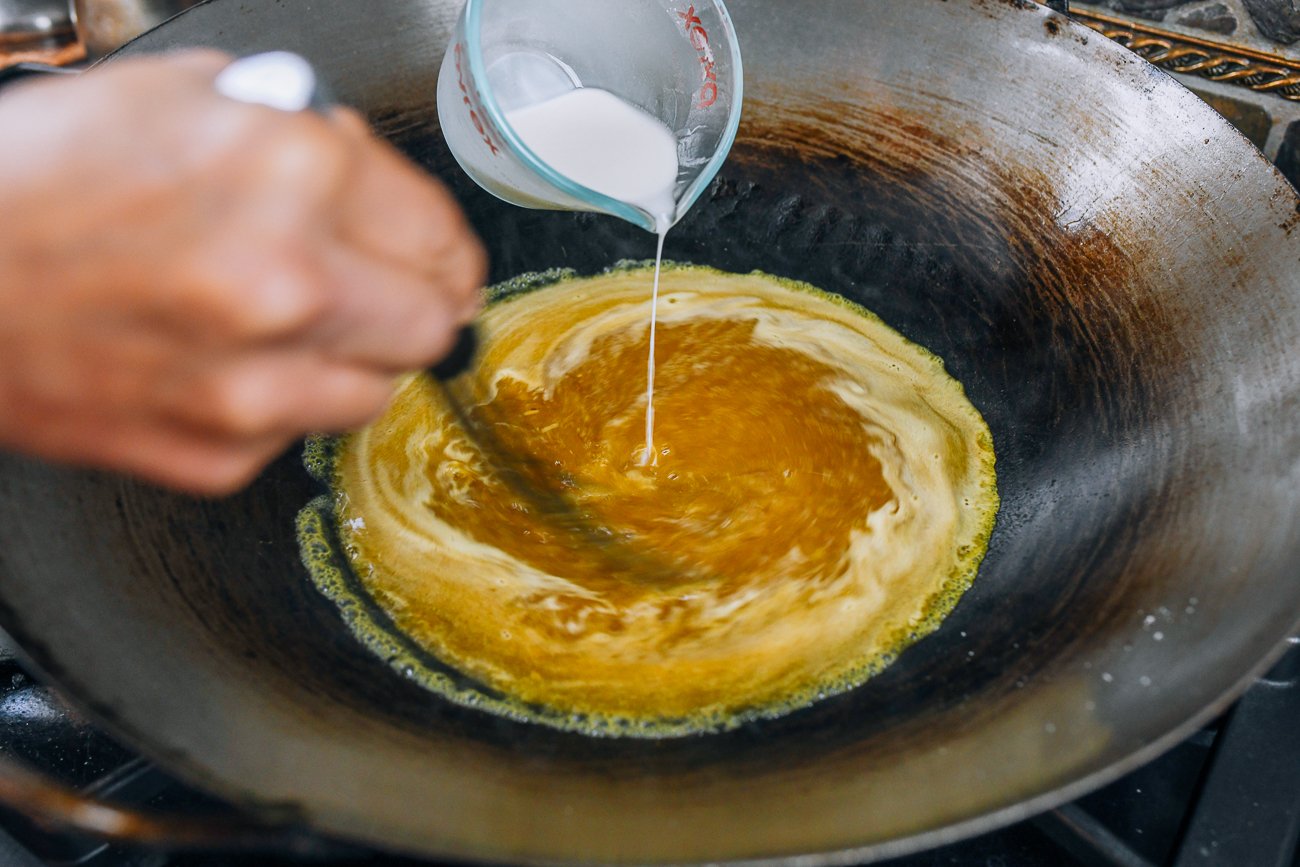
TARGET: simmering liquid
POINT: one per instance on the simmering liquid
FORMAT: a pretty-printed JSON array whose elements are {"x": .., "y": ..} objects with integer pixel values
[{"x": 821, "y": 494}]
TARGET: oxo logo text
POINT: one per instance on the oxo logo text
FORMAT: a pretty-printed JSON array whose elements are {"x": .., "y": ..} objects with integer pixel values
[
  {"x": 474, "y": 116},
  {"x": 699, "y": 38}
]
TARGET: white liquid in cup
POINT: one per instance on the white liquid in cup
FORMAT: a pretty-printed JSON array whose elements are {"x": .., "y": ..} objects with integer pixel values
[{"x": 606, "y": 144}]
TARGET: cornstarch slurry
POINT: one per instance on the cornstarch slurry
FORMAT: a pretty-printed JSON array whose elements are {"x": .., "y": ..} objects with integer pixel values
[{"x": 609, "y": 145}]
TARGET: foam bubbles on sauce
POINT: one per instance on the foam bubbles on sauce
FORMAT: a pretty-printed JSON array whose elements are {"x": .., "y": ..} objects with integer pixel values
[{"x": 822, "y": 494}]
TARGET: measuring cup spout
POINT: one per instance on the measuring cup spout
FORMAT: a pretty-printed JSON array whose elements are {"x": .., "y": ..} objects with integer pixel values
[{"x": 675, "y": 62}]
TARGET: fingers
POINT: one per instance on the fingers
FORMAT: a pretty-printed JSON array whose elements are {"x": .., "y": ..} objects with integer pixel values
[
  {"x": 295, "y": 171},
  {"x": 277, "y": 392},
  {"x": 206, "y": 428},
  {"x": 341, "y": 242},
  {"x": 330, "y": 299},
  {"x": 409, "y": 270},
  {"x": 161, "y": 451},
  {"x": 186, "y": 460},
  {"x": 393, "y": 210},
  {"x": 387, "y": 317},
  {"x": 396, "y": 263},
  {"x": 384, "y": 206}
]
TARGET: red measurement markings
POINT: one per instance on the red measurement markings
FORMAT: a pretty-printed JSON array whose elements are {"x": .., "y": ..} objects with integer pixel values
[
  {"x": 474, "y": 116},
  {"x": 700, "y": 42}
]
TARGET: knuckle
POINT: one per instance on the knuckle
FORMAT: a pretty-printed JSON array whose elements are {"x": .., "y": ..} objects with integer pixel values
[
  {"x": 351, "y": 122},
  {"x": 373, "y": 398},
  {"x": 284, "y": 295},
  {"x": 421, "y": 338},
  {"x": 208, "y": 471},
  {"x": 201, "y": 58},
  {"x": 467, "y": 268},
  {"x": 358, "y": 398},
  {"x": 437, "y": 340},
  {"x": 231, "y": 475},
  {"x": 237, "y": 403},
  {"x": 303, "y": 150},
  {"x": 287, "y": 300}
]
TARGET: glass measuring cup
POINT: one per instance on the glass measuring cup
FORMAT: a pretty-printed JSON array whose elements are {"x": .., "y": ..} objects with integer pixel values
[{"x": 677, "y": 60}]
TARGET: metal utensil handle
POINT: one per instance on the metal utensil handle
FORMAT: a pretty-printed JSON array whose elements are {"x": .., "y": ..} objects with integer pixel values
[{"x": 279, "y": 79}]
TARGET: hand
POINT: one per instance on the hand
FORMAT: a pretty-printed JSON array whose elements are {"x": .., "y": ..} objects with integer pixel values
[{"x": 188, "y": 283}]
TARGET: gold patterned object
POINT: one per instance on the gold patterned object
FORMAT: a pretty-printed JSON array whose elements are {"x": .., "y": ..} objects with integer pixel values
[
  {"x": 821, "y": 494},
  {"x": 1189, "y": 55}
]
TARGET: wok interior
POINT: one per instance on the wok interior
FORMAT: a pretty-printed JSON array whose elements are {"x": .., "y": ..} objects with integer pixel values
[{"x": 1127, "y": 492}]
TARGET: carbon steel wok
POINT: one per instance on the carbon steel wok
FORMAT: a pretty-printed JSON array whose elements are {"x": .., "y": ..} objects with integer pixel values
[{"x": 1103, "y": 262}]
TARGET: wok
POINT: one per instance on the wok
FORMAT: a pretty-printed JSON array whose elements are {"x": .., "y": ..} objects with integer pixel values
[{"x": 1106, "y": 265}]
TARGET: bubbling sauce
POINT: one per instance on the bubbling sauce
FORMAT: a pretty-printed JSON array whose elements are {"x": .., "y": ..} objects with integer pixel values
[{"x": 821, "y": 496}]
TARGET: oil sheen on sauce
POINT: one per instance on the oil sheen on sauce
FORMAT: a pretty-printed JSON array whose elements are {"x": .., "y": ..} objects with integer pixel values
[
  {"x": 609, "y": 145},
  {"x": 824, "y": 495}
]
